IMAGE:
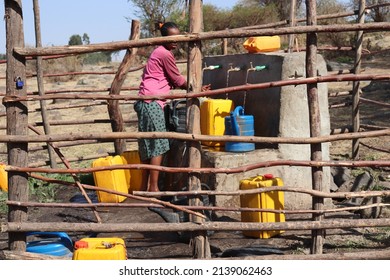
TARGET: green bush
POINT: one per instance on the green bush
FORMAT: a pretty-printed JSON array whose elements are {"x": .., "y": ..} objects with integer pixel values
[
  {"x": 44, "y": 191},
  {"x": 3, "y": 205},
  {"x": 345, "y": 59},
  {"x": 96, "y": 58}
]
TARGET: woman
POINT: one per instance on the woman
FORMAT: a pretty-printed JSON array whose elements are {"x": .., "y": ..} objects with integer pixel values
[{"x": 159, "y": 77}]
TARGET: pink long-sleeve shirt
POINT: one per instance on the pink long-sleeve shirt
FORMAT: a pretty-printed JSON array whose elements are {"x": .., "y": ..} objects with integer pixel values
[{"x": 160, "y": 74}]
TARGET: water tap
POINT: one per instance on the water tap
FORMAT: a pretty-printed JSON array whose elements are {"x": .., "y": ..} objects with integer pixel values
[
  {"x": 212, "y": 67},
  {"x": 234, "y": 69},
  {"x": 257, "y": 68}
]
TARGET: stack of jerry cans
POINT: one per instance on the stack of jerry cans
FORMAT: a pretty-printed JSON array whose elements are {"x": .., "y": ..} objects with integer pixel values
[
  {"x": 267, "y": 200},
  {"x": 133, "y": 176},
  {"x": 100, "y": 248},
  {"x": 212, "y": 118},
  {"x": 110, "y": 179}
]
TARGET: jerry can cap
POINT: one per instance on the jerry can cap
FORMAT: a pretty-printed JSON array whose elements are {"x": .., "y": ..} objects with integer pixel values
[
  {"x": 80, "y": 244},
  {"x": 268, "y": 176}
]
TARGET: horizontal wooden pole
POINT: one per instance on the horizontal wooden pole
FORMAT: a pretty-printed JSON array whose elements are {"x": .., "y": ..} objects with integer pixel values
[
  {"x": 319, "y": 17},
  {"x": 380, "y": 26},
  {"x": 306, "y": 163},
  {"x": 382, "y": 254},
  {"x": 341, "y": 130},
  {"x": 340, "y": 105},
  {"x": 195, "y": 208},
  {"x": 373, "y": 127},
  {"x": 213, "y": 226},
  {"x": 375, "y": 148},
  {"x": 247, "y": 87},
  {"x": 18, "y": 255},
  {"x": 323, "y": 194},
  {"x": 72, "y": 159},
  {"x": 358, "y": 255},
  {"x": 370, "y": 101},
  {"x": 340, "y": 93},
  {"x": 109, "y": 136}
]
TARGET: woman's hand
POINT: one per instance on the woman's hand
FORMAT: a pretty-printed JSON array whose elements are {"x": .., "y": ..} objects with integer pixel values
[{"x": 206, "y": 87}]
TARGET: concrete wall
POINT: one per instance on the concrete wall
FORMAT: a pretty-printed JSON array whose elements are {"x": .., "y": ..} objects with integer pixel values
[{"x": 280, "y": 111}]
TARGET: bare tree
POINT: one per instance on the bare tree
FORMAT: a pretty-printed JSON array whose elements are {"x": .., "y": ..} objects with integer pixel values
[
  {"x": 282, "y": 6},
  {"x": 153, "y": 11},
  {"x": 332, "y": 7},
  {"x": 376, "y": 14}
]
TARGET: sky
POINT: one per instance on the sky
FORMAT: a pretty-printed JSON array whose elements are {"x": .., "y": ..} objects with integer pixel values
[{"x": 100, "y": 19}]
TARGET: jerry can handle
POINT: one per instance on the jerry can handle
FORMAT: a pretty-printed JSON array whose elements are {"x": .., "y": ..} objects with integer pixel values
[
  {"x": 175, "y": 118},
  {"x": 237, "y": 112},
  {"x": 263, "y": 177},
  {"x": 258, "y": 178}
]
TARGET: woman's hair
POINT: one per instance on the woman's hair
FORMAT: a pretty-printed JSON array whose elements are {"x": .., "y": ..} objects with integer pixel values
[{"x": 164, "y": 27}]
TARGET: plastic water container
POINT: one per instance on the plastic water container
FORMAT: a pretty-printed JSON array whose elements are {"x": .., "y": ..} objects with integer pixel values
[
  {"x": 50, "y": 243},
  {"x": 262, "y": 44},
  {"x": 103, "y": 248},
  {"x": 110, "y": 179},
  {"x": 133, "y": 176},
  {"x": 212, "y": 116},
  {"x": 268, "y": 200},
  {"x": 3, "y": 178},
  {"x": 240, "y": 125}
]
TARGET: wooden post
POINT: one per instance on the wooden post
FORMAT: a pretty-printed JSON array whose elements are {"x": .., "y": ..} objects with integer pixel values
[
  {"x": 315, "y": 122},
  {"x": 201, "y": 246},
  {"x": 356, "y": 84},
  {"x": 41, "y": 88},
  {"x": 225, "y": 45},
  {"x": 291, "y": 37},
  {"x": 120, "y": 76},
  {"x": 17, "y": 119}
]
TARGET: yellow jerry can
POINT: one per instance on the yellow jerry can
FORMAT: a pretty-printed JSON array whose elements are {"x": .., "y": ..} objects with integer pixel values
[
  {"x": 212, "y": 118},
  {"x": 110, "y": 179},
  {"x": 3, "y": 178},
  {"x": 262, "y": 44},
  {"x": 104, "y": 248},
  {"x": 268, "y": 200},
  {"x": 133, "y": 176}
]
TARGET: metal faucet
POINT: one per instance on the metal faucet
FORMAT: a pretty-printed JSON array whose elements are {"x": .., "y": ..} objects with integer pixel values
[
  {"x": 233, "y": 69},
  {"x": 212, "y": 67},
  {"x": 257, "y": 68}
]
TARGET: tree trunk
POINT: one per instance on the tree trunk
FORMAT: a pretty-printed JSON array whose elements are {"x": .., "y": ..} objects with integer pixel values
[
  {"x": 17, "y": 119},
  {"x": 200, "y": 244},
  {"x": 315, "y": 123}
]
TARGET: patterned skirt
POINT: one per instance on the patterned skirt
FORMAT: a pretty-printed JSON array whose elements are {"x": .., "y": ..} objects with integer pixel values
[{"x": 151, "y": 118}]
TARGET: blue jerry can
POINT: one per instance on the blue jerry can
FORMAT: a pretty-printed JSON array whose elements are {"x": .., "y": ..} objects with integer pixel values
[
  {"x": 50, "y": 243},
  {"x": 241, "y": 125}
]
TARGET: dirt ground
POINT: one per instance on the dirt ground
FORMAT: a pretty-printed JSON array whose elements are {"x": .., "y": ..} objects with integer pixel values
[{"x": 171, "y": 245}]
